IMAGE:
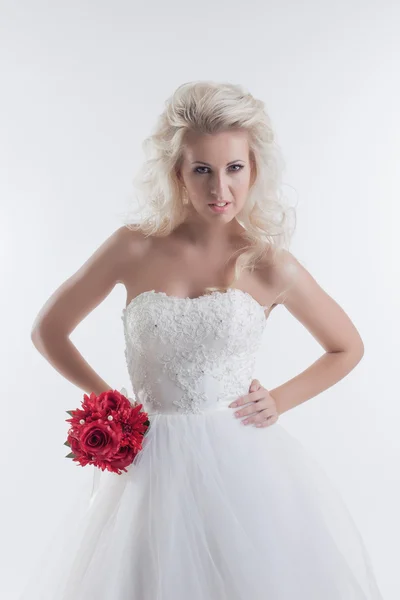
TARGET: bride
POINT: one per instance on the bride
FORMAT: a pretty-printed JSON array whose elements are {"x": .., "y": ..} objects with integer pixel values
[{"x": 222, "y": 503}]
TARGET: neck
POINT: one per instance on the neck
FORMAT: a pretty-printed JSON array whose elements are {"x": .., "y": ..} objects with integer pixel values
[{"x": 210, "y": 236}]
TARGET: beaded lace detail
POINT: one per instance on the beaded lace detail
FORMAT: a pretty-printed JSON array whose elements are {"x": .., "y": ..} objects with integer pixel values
[{"x": 189, "y": 355}]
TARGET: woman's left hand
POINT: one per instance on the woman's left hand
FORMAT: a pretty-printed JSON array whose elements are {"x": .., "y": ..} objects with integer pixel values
[{"x": 263, "y": 410}]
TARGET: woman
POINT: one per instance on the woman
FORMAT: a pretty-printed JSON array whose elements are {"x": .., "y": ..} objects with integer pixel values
[{"x": 209, "y": 509}]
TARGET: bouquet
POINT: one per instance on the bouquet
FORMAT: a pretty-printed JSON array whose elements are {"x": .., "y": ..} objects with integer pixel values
[{"x": 107, "y": 431}]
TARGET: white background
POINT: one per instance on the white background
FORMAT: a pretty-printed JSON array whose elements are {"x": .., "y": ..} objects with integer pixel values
[{"x": 81, "y": 86}]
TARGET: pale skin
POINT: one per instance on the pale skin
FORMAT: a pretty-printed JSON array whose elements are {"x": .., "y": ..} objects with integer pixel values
[{"x": 192, "y": 258}]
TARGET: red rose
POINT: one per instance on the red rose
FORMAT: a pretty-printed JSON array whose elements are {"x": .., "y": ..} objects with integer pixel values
[
  {"x": 112, "y": 400},
  {"x": 108, "y": 431}
]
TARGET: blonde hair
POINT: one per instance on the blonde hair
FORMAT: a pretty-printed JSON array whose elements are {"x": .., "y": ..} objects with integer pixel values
[{"x": 210, "y": 107}]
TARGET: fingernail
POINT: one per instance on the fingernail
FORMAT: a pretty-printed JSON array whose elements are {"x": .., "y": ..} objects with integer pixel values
[{"x": 233, "y": 404}]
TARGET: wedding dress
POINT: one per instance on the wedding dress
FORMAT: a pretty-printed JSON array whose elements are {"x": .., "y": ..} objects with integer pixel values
[{"x": 209, "y": 509}]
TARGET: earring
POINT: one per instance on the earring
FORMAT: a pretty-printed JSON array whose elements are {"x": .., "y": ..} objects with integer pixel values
[{"x": 185, "y": 199}]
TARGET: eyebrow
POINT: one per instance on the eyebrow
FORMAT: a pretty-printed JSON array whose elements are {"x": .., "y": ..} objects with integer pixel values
[{"x": 208, "y": 165}]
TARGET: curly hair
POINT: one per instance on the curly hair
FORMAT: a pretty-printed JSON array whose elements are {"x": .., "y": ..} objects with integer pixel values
[{"x": 211, "y": 107}]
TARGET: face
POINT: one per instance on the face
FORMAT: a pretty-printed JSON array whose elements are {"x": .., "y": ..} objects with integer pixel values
[{"x": 216, "y": 168}]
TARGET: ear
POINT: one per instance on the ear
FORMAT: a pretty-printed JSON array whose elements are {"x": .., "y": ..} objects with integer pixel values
[
  {"x": 253, "y": 167},
  {"x": 178, "y": 175}
]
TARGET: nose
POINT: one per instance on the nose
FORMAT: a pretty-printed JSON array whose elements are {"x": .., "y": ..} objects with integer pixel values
[{"x": 218, "y": 187}]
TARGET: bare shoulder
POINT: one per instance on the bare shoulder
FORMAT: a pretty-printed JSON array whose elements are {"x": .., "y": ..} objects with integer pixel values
[
  {"x": 91, "y": 283},
  {"x": 133, "y": 247},
  {"x": 279, "y": 273},
  {"x": 301, "y": 294},
  {"x": 121, "y": 251},
  {"x": 115, "y": 254}
]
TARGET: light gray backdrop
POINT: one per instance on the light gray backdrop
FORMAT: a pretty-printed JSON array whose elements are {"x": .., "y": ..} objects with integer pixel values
[{"x": 81, "y": 85}]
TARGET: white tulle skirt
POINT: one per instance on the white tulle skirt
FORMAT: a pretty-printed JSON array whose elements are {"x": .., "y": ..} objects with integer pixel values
[{"x": 211, "y": 510}]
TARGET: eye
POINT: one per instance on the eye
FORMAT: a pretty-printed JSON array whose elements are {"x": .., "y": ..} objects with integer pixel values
[{"x": 196, "y": 170}]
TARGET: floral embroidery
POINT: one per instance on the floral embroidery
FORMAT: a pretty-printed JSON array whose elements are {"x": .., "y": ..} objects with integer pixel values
[{"x": 185, "y": 355}]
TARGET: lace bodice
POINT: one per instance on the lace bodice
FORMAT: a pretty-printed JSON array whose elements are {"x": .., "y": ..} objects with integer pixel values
[{"x": 191, "y": 355}]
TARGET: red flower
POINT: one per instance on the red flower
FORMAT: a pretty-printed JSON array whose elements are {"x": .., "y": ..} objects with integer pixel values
[
  {"x": 107, "y": 432},
  {"x": 112, "y": 400}
]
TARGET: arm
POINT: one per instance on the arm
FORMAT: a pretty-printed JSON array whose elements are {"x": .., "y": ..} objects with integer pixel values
[
  {"x": 329, "y": 325},
  {"x": 68, "y": 306}
]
